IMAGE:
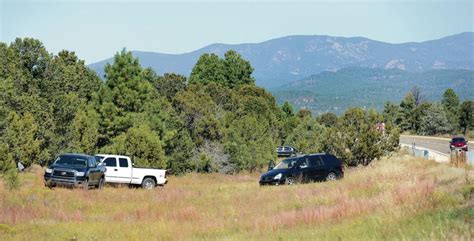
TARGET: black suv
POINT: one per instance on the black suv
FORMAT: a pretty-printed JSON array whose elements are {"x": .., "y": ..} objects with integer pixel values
[
  {"x": 307, "y": 168},
  {"x": 75, "y": 170}
]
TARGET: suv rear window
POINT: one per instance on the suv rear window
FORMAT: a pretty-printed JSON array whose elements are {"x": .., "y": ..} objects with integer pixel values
[
  {"x": 316, "y": 161},
  {"x": 331, "y": 160}
]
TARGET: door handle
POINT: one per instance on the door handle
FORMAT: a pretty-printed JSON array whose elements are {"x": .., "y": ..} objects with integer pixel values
[{"x": 115, "y": 169}]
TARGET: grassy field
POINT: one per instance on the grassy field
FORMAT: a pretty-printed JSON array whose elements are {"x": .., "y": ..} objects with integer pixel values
[{"x": 400, "y": 198}]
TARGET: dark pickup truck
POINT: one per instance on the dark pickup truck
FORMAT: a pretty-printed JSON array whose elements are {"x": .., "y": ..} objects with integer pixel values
[{"x": 77, "y": 170}]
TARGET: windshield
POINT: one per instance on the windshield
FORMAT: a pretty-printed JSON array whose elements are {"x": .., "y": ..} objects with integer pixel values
[
  {"x": 458, "y": 139},
  {"x": 287, "y": 163},
  {"x": 71, "y": 161}
]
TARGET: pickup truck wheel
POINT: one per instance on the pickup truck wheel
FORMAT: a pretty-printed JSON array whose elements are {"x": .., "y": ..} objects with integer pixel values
[
  {"x": 101, "y": 183},
  {"x": 148, "y": 183}
]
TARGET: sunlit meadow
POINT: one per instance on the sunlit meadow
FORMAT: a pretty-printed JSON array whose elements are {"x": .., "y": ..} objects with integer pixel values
[{"x": 399, "y": 197}]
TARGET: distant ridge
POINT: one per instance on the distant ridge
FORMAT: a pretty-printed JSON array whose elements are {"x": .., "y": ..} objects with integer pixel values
[
  {"x": 371, "y": 87},
  {"x": 283, "y": 60}
]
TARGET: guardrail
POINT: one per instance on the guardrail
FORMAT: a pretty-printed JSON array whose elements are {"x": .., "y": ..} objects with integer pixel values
[
  {"x": 426, "y": 153},
  {"x": 470, "y": 157},
  {"x": 436, "y": 155}
]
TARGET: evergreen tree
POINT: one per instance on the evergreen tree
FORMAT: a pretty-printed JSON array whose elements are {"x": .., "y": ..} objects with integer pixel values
[
  {"x": 407, "y": 107},
  {"x": 451, "y": 105},
  {"x": 391, "y": 113},
  {"x": 21, "y": 139},
  {"x": 196, "y": 108},
  {"x": 249, "y": 143},
  {"x": 435, "y": 121},
  {"x": 419, "y": 113},
  {"x": 84, "y": 131},
  {"x": 303, "y": 113},
  {"x": 287, "y": 109},
  {"x": 141, "y": 144},
  {"x": 466, "y": 118},
  {"x": 356, "y": 139},
  {"x": 208, "y": 68},
  {"x": 328, "y": 119},
  {"x": 6, "y": 159},
  {"x": 232, "y": 71},
  {"x": 307, "y": 136},
  {"x": 237, "y": 70},
  {"x": 124, "y": 96},
  {"x": 170, "y": 84}
]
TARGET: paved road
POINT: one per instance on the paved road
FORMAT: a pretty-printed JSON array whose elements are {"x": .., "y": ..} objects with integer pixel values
[{"x": 434, "y": 143}]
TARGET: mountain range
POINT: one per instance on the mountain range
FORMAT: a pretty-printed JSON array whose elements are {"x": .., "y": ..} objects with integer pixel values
[
  {"x": 283, "y": 60},
  {"x": 335, "y": 91}
]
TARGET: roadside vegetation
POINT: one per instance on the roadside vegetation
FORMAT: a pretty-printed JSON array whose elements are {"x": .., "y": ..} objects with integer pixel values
[
  {"x": 397, "y": 198},
  {"x": 416, "y": 115},
  {"x": 218, "y": 120}
]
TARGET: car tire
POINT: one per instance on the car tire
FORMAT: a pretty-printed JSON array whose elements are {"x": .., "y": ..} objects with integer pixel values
[
  {"x": 289, "y": 181},
  {"x": 101, "y": 183},
  {"x": 148, "y": 183},
  {"x": 331, "y": 176}
]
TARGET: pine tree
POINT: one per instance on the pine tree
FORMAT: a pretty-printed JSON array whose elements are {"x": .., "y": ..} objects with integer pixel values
[
  {"x": 435, "y": 121},
  {"x": 141, "y": 144},
  {"x": 287, "y": 109},
  {"x": 407, "y": 107},
  {"x": 451, "y": 105},
  {"x": 21, "y": 139},
  {"x": 466, "y": 118},
  {"x": 84, "y": 131}
]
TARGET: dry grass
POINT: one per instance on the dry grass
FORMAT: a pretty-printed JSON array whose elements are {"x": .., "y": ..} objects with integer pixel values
[{"x": 396, "y": 198}]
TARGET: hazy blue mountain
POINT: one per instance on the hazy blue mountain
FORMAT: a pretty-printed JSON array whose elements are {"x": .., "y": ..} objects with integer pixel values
[
  {"x": 371, "y": 87},
  {"x": 282, "y": 60}
]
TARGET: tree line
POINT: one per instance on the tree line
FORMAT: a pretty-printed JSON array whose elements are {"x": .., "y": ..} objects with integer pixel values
[
  {"x": 218, "y": 120},
  {"x": 416, "y": 115}
]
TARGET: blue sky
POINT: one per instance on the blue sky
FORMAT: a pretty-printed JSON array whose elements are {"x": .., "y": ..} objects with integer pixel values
[{"x": 98, "y": 29}]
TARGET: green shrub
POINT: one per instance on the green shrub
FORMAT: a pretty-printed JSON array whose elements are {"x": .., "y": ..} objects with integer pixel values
[{"x": 11, "y": 179}]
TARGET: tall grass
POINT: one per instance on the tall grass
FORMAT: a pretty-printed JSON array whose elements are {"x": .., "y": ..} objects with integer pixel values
[{"x": 395, "y": 198}]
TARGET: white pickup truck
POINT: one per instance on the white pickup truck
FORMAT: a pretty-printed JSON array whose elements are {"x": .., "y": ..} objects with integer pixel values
[{"x": 120, "y": 170}]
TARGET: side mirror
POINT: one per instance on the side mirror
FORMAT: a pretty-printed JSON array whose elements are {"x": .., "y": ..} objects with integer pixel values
[{"x": 101, "y": 164}]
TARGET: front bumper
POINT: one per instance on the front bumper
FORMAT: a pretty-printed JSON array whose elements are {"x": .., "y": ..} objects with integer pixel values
[
  {"x": 55, "y": 181},
  {"x": 464, "y": 148},
  {"x": 263, "y": 182}
]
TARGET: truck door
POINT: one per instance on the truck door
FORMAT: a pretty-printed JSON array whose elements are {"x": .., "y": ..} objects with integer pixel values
[
  {"x": 94, "y": 172},
  {"x": 124, "y": 171},
  {"x": 111, "y": 166}
]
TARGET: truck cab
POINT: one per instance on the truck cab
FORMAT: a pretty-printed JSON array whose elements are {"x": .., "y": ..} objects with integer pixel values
[
  {"x": 120, "y": 170},
  {"x": 76, "y": 170}
]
